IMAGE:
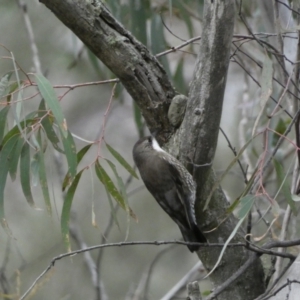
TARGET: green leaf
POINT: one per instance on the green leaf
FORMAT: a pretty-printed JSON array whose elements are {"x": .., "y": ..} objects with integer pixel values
[
  {"x": 236, "y": 202},
  {"x": 47, "y": 124},
  {"x": 82, "y": 152},
  {"x": 246, "y": 205},
  {"x": 178, "y": 78},
  {"x": 12, "y": 87},
  {"x": 65, "y": 215},
  {"x": 121, "y": 160},
  {"x": 170, "y": 9},
  {"x": 5, "y": 158},
  {"x": 25, "y": 174},
  {"x": 280, "y": 129},
  {"x": 15, "y": 158},
  {"x": 48, "y": 93},
  {"x": 34, "y": 169},
  {"x": 70, "y": 152},
  {"x": 283, "y": 184},
  {"x": 4, "y": 83},
  {"x": 3, "y": 116},
  {"x": 43, "y": 174},
  {"x": 112, "y": 209},
  {"x": 80, "y": 156},
  {"x": 108, "y": 183},
  {"x": 15, "y": 130},
  {"x": 18, "y": 107},
  {"x": 158, "y": 42},
  {"x": 139, "y": 19},
  {"x": 138, "y": 119},
  {"x": 266, "y": 88},
  {"x": 122, "y": 189}
]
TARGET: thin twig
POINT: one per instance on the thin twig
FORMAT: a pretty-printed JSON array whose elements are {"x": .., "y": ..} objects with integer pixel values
[
  {"x": 235, "y": 154},
  {"x": 182, "y": 282},
  {"x": 28, "y": 26},
  {"x": 273, "y": 244}
]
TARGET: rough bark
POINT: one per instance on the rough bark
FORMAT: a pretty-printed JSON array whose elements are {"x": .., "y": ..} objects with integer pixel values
[
  {"x": 202, "y": 121},
  {"x": 147, "y": 83}
]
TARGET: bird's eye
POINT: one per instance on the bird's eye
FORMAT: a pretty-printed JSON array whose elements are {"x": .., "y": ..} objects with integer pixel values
[{"x": 150, "y": 139}]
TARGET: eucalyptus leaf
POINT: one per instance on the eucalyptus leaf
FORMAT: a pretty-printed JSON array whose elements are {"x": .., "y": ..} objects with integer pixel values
[
  {"x": 25, "y": 174},
  {"x": 5, "y": 159},
  {"x": 121, "y": 160},
  {"x": 108, "y": 183},
  {"x": 65, "y": 215},
  {"x": 48, "y": 93}
]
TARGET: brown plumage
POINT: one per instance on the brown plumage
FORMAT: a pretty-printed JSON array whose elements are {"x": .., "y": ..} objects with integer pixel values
[{"x": 171, "y": 185}]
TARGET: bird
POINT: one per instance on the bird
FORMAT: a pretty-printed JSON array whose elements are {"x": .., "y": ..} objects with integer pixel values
[{"x": 171, "y": 185}]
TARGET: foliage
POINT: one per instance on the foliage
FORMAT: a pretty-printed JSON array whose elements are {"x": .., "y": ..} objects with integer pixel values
[{"x": 34, "y": 123}]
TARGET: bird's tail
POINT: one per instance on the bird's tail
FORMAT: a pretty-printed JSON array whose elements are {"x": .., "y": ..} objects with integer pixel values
[{"x": 193, "y": 235}]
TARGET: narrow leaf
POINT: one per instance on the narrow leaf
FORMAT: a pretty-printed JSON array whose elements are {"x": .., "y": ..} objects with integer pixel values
[
  {"x": 25, "y": 174},
  {"x": 138, "y": 119},
  {"x": 34, "y": 169},
  {"x": 79, "y": 156},
  {"x": 246, "y": 205},
  {"x": 4, "y": 163},
  {"x": 280, "y": 129},
  {"x": 48, "y": 93},
  {"x": 43, "y": 174},
  {"x": 70, "y": 152},
  {"x": 178, "y": 77},
  {"x": 112, "y": 208},
  {"x": 4, "y": 83},
  {"x": 15, "y": 158},
  {"x": 266, "y": 88},
  {"x": 26, "y": 122},
  {"x": 82, "y": 152},
  {"x": 282, "y": 181},
  {"x": 65, "y": 215},
  {"x": 12, "y": 87},
  {"x": 236, "y": 202},
  {"x": 3, "y": 116},
  {"x": 107, "y": 182},
  {"x": 48, "y": 127},
  {"x": 122, "y": 189},
  {"x": 158, "y": 41},
  {"x": 138, "y": 11},
  {"x": 122, "y": 161}
]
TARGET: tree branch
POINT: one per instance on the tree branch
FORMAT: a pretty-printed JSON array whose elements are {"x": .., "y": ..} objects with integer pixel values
[{"x": 140, "y": 72}]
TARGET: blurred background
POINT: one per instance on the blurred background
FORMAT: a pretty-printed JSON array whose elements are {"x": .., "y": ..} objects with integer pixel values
[{"x": 35, "y": 235}]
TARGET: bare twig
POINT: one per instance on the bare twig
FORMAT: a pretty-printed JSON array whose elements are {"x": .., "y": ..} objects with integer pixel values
[
  {"x": 288, "y": 283},
  {"x": 183, "y": 281},
  {"x": 235, "y": 154},
  {"x": 28, "y": 26},
  {"x": 273, "y": 244}
]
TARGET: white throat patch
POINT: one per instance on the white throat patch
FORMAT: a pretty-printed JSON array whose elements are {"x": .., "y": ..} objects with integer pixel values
[{"x": 156, "y": 146}]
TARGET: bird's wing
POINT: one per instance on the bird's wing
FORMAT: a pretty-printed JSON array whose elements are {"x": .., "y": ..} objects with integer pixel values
[{"x": 185, "y": 189}]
